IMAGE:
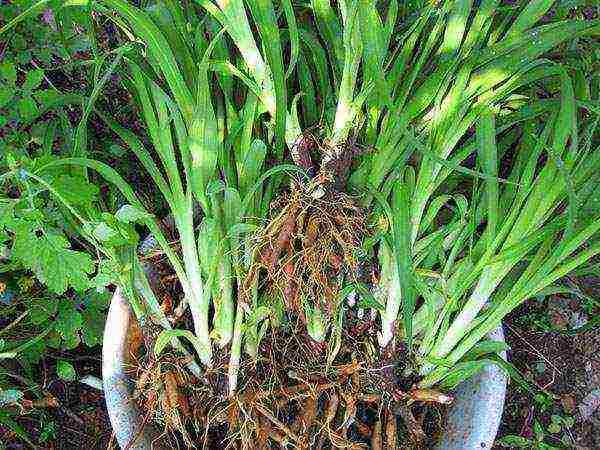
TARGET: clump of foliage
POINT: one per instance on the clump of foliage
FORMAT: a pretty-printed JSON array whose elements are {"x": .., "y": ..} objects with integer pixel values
[
  {"x": 52, "y": 297},
  {"x": 356, "y": 162}
]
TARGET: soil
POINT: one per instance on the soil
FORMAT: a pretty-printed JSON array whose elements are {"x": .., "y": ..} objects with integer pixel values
[
  {"x": 77, "y": 420},
  {"x": 554, "y": 349}
]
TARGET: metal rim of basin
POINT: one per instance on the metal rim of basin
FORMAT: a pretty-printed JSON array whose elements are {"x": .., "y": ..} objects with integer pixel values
[
  {"x": 126, "y": 418},
  {"x": 472, "y": 421}
]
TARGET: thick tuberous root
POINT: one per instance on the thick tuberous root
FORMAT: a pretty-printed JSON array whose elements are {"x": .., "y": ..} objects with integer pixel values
[
  {"x": 309, "y": 246},
  {"x": 289, "y": 403},
  {"x": 163, "y": 389}
]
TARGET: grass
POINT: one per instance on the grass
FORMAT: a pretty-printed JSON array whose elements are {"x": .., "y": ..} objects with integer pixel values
[{"x": 474, "y": 187}]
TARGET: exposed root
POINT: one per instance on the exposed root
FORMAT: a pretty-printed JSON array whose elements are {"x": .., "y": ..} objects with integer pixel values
[
  {"x": 429, "y": 396},
  {"x": 277, "y": 423},
  {"x": 330, "y": 413},
  {"x": 285, "y": 403},
  {"x": 290, "y": 395},
  {"x": 377, "y": 438},
  {"x": 309, "y": 246},
  {"x": 163, "y": 389},
  {"x": 414, "y": 427},
  {"x": 390, "y": 429}
]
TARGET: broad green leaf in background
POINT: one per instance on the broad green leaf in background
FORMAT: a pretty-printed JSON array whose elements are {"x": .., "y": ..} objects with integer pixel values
[
  {"x": 28, "y": 109},
  {"x": 8, "y": 73},
  {"x": 6, "y": 94},
  {"x": 65, "y": 371},
  {"x": 68, "y": 323},
  {"x": 129, "y": 213},
  {"x": 32, "y": 80},
  {"x": 49, "y": 255}
]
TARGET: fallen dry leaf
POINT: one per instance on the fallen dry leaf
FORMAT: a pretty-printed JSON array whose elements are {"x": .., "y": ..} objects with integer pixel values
[{"x": 568, "y": 403}]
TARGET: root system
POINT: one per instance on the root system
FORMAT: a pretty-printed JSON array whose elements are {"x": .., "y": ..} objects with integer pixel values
[{"x": 294, "y": 393}]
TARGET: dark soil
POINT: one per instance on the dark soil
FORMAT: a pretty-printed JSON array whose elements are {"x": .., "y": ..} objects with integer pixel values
[
  {"x": 562, "y": 365},
  {"x": 77, "y": 421}
]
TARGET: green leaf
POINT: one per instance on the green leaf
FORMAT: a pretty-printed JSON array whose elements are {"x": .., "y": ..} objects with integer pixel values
[
  {"x": 554, "y": 428},
  {"x": 76, "y": 190},
  {"x": 203, "y": 139},
  {"x": 568, "y": 421},
  {"x": 48, "y": 254},
  {"x": 40, "y": 310},
  {"x": 250, "y": 169},
  {"x": 488, "y": 156},
  {"x": 65, "y": 371},
  {"x": 49, "y": 98},
  {"x": 513, "y": 441},
  {"x": 68, "y": 323},
  {"x": 166, "y": 336},
  {"x": 6, "y": 94},
  {"x": 108, "y": 270},
  {"x": 94, "y": 316},
  {"x": 485, "y": 348},
  {"x": 401, "y": 229},
  {"x": 162, "y": 61},
  {"x": 269, "y": 173},
  {"x": 129, "y": 214},
  {"x": 232, "y": 208},
  {"x": 533, "y": 12},
  {"x": 293, "y": 33},
  {"x": 330, "y": 28},
  {"x": 28, "y": 109},
  {"x": 10, "y": 424},
  {"x": 93, "y": 329},
  {"x": 104, "y": 232},
  {"x": 462, "y": 371},
  {"x": 366, "y": 299},
  {"x": 32, "y": 80},
  {"x": 33, "y": 9},
  {"x": 8, "y": 73},
  {"x": 538, "y": 431},
  {"x": 208, "y": 247},
  {"x": 263, "y": 12}
]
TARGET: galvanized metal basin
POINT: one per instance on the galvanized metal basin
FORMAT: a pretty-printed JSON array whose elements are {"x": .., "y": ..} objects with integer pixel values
[{"x": 472, "y": 420}]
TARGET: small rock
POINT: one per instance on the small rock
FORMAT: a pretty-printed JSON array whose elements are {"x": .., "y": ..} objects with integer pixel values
[
  {"x": 568, "y": 403},
  {"x": 592, "y": 372},
  {"x": 589, "y": 404},
  {"x": 578, "y": 319}
]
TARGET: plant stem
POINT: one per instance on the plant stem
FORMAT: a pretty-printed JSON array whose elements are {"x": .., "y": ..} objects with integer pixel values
[
  {"x": 390, "y": 284},
  {"x": 236, "y": 350},
  {"x": 196, "y": 299},
  {"x": 223, "y": 295}
]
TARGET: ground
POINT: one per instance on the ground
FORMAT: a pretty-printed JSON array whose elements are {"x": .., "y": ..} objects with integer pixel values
[
  {"x": 557, "y": 349},
  {"x": 77, "y": 420}
]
